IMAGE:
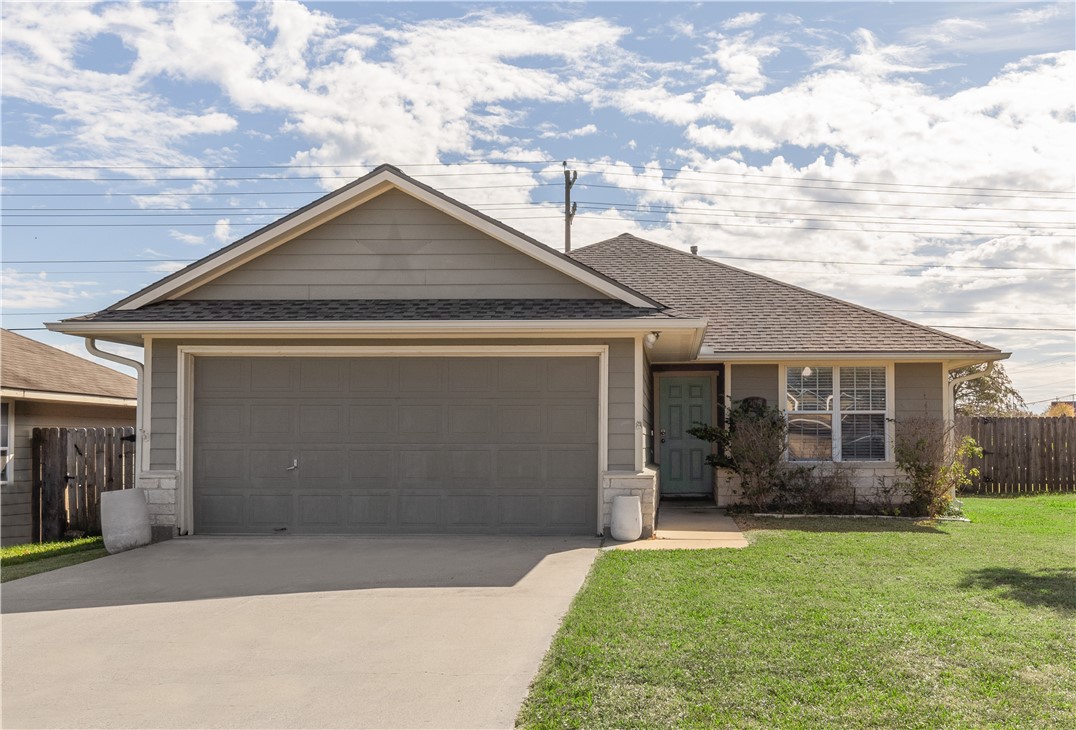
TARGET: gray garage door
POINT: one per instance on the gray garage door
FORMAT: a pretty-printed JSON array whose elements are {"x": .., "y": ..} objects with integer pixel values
[{"x": 400, "y": 445}]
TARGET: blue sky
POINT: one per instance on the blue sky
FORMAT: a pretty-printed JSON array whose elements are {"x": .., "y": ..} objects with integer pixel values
[{"x": 917, "y": 158}]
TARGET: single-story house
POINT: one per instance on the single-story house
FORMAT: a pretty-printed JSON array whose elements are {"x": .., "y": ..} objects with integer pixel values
[
  {"x": 43, "y": 387},
  {"x": 387, "y": 359}
]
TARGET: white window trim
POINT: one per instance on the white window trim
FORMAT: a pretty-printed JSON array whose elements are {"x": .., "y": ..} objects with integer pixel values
[
  {"x": 186, "y": 354},
  {"x": 836, "y": 413},
  {"x": 9, "y": 458}
]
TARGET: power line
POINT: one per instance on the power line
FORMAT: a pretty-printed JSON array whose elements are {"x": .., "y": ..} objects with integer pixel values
[
  {"x": 809, "y": 200},
  {"x": 584, "y": 163},
  {"x": 680, "y": 179},
  {"x": 211, "y": 225},
  {"x": 841, "y": 230},
  {"x": 195, "y": 194},
  {"x": 984, "y": 327},
  {"x": 1054, "y": 398}
]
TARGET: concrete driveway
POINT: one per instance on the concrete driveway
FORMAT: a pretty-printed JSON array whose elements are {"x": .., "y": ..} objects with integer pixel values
[{"x": 291, "y": 632}]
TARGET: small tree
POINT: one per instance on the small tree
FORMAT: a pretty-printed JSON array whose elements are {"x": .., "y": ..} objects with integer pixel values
[
  {"x": 934, "y": 467},
  {"x": 1060, "y": 409},
  {"x": 991, "y": 395},
  {"x": 752, "y": 445}
]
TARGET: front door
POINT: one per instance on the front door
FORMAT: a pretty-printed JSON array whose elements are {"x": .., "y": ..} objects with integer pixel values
[{"x": 684, "y": 402}]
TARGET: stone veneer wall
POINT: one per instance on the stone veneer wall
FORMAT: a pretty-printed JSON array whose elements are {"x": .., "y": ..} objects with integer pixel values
[
  {"x": 643, "y": 484},
  {"x": 160, "y": 489},
  {"x": 864, "y": 480}
]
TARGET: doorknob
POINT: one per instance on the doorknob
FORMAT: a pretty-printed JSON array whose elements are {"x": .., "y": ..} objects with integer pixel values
[{"x": 294, "y": 465}]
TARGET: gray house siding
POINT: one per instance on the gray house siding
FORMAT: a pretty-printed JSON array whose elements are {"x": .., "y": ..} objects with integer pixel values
[
  {"x": 394, "y": 247},
  {"x": 918, "y": 391},
  {"x": 754, "y": 381},
  {"x": 15, "y": 501},
  {"x": 621, "y": 446}
]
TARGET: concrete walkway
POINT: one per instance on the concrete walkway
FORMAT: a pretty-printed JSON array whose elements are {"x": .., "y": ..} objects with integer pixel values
[
  {"x": 689, "y": 526},
  {"x": 289, "y": 632}
]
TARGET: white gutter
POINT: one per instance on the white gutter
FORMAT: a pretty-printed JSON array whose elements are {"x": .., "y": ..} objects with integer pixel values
[
  {"x": 966, "y": 378},
  {"x": 91, "y": 345}
]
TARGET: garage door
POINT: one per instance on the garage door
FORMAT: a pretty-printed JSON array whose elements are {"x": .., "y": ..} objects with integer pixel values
[{"x": 395, "y": 445}]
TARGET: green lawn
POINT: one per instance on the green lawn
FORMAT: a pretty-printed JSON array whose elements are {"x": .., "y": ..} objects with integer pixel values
[
  {"x": 829, "y": 623},
  {"x": 19, "y": 561}
]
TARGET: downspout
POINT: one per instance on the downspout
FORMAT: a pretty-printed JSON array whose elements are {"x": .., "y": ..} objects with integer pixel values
[
  {"x": 965, "y": 378},
  {"x": 91, "y": 345}
]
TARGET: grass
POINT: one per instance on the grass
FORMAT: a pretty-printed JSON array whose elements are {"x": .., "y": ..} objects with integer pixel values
[
  {"x": 829, "y": 623},
  {"x": 20, "y": 561}
]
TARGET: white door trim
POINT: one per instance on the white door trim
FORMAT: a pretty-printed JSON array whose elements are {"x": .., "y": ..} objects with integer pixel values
[{"x": 185, "y": 355}]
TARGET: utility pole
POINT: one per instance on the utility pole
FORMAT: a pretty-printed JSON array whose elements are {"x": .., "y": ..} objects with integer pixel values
[{"x": 569, "y": 206}]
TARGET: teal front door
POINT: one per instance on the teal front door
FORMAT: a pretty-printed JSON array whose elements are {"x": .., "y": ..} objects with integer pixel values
[{"x": 683, "y": 402}]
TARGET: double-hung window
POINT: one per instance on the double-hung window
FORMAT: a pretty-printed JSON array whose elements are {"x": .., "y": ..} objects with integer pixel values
[{"x": 836, "y": 413}]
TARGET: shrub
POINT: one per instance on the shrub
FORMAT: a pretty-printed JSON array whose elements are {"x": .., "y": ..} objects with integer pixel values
[
  {"x": 933, "y": 466},
  {"x": 752, "y": 445}
]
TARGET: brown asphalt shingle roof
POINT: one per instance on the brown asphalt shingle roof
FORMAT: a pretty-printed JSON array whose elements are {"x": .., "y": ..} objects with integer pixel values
[
  {"x": 747, "y": 312},
  {"x": 27, "y": 364}
]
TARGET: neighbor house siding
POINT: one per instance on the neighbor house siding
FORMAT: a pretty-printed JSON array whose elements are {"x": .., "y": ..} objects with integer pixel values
[
  {"x": 754, "y": 381},
  {"x": 621, "y": 390},
  {"x": 394, "y": 247},
  {"x": 918, "y": 391},
  {"x": 15, "y": 520}
]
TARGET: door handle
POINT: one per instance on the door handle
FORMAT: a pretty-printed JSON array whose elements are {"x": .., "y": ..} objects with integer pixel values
[{"x": 294, "y": 465}]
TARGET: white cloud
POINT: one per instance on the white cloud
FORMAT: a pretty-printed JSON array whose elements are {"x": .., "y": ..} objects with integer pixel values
[
  {"x": 23, "y": 290},
  {"x": 222, "y": 230},
  {"x": 571, "y": 133},
  {"x": 743, "y": 20},
  {"x": 187, "y": 238}
]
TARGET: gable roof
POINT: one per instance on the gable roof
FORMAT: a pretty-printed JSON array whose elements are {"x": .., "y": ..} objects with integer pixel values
[
  {"x": 27, "y": 364},
  {"x": 751, "y": 313},
  {"x": 378, "y": 181}
]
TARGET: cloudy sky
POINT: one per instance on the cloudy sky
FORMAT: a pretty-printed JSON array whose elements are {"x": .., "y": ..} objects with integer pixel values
[{"x": 915, "y": 158}]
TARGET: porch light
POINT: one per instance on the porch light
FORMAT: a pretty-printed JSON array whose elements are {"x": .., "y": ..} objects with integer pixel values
[
  {"x": 651, "y": 339},
  {"x": 807, "y": 372}
]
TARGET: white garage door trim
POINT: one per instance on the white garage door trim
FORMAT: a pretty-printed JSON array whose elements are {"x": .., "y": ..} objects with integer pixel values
[{"x": 185, "y": 394}]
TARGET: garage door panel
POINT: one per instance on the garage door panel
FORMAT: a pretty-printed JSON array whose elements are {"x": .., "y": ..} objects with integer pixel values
[
  {"x": 474, "y": 509},
  {"x": 316, "y": 419},
  {"x": 419, "y": 509},
  {"x": 380, "y": 450},
  {"x": 220, "y": 511},
  {"x": 374, "y": 509},
  {"x": 368, "y": 420},
  {"x": 320, "y": 510},
  {"x": 421, "y": 375},
  {"x": 323, "y": 375},
  {"x": 470, "y": 464},
  {"x": 270, "y": 509},
  {"x": 272, "y": 375},
  {"x": 420, "y": 420},
  {"x": 371, "y": 464}
]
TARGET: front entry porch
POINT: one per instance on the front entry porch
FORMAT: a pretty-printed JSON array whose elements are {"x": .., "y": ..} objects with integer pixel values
[{"x": 691, "y": 525}]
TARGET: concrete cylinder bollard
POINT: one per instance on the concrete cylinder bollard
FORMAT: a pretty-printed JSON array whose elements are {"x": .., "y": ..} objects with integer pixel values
[
  {"x": 626, "y": 523},
  {"x": 125, "y": 520}
]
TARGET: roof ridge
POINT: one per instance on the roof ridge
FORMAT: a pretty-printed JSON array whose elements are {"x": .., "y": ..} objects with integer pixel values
[{"x": 785, "y": 284}]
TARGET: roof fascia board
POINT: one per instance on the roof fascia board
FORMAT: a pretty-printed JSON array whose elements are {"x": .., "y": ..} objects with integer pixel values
[
  {"x": 380, "y": 327},
  {"x": 346, "y": 199},
  {"x": 54, "y": 397},
  {"x": 920, "y": 356}
]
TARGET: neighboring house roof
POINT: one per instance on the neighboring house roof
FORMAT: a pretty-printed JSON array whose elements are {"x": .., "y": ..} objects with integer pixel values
[
  {"x": 750, "y": 313},
  {"x": 374, "y": 310},
  {"x": 352, "y": 195},
  {"x": 29, "y": 365}
]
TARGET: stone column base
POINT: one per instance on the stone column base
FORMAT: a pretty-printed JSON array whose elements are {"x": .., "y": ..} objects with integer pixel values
[
  {"x": 160, "y": 489},
  {"x": 642, "y": 484}
]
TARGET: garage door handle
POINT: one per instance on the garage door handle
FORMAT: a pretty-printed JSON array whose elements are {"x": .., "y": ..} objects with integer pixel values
[{"x": 294, "y": 465}]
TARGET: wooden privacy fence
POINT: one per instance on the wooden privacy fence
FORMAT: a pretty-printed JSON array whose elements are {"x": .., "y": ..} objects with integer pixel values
[
  {"x": 71, "y": 467},
  {"x": 1023, "y": 454}
]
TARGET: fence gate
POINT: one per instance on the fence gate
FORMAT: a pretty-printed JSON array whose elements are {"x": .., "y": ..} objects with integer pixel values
[
  {"x": 71, "y": 467},
  {"x": 1022, "y": 454}
]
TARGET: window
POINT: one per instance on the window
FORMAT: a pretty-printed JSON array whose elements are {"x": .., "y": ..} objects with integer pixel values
[
  {"x": 5, "y": 443},
  {"x": 836, "y": 413}
]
